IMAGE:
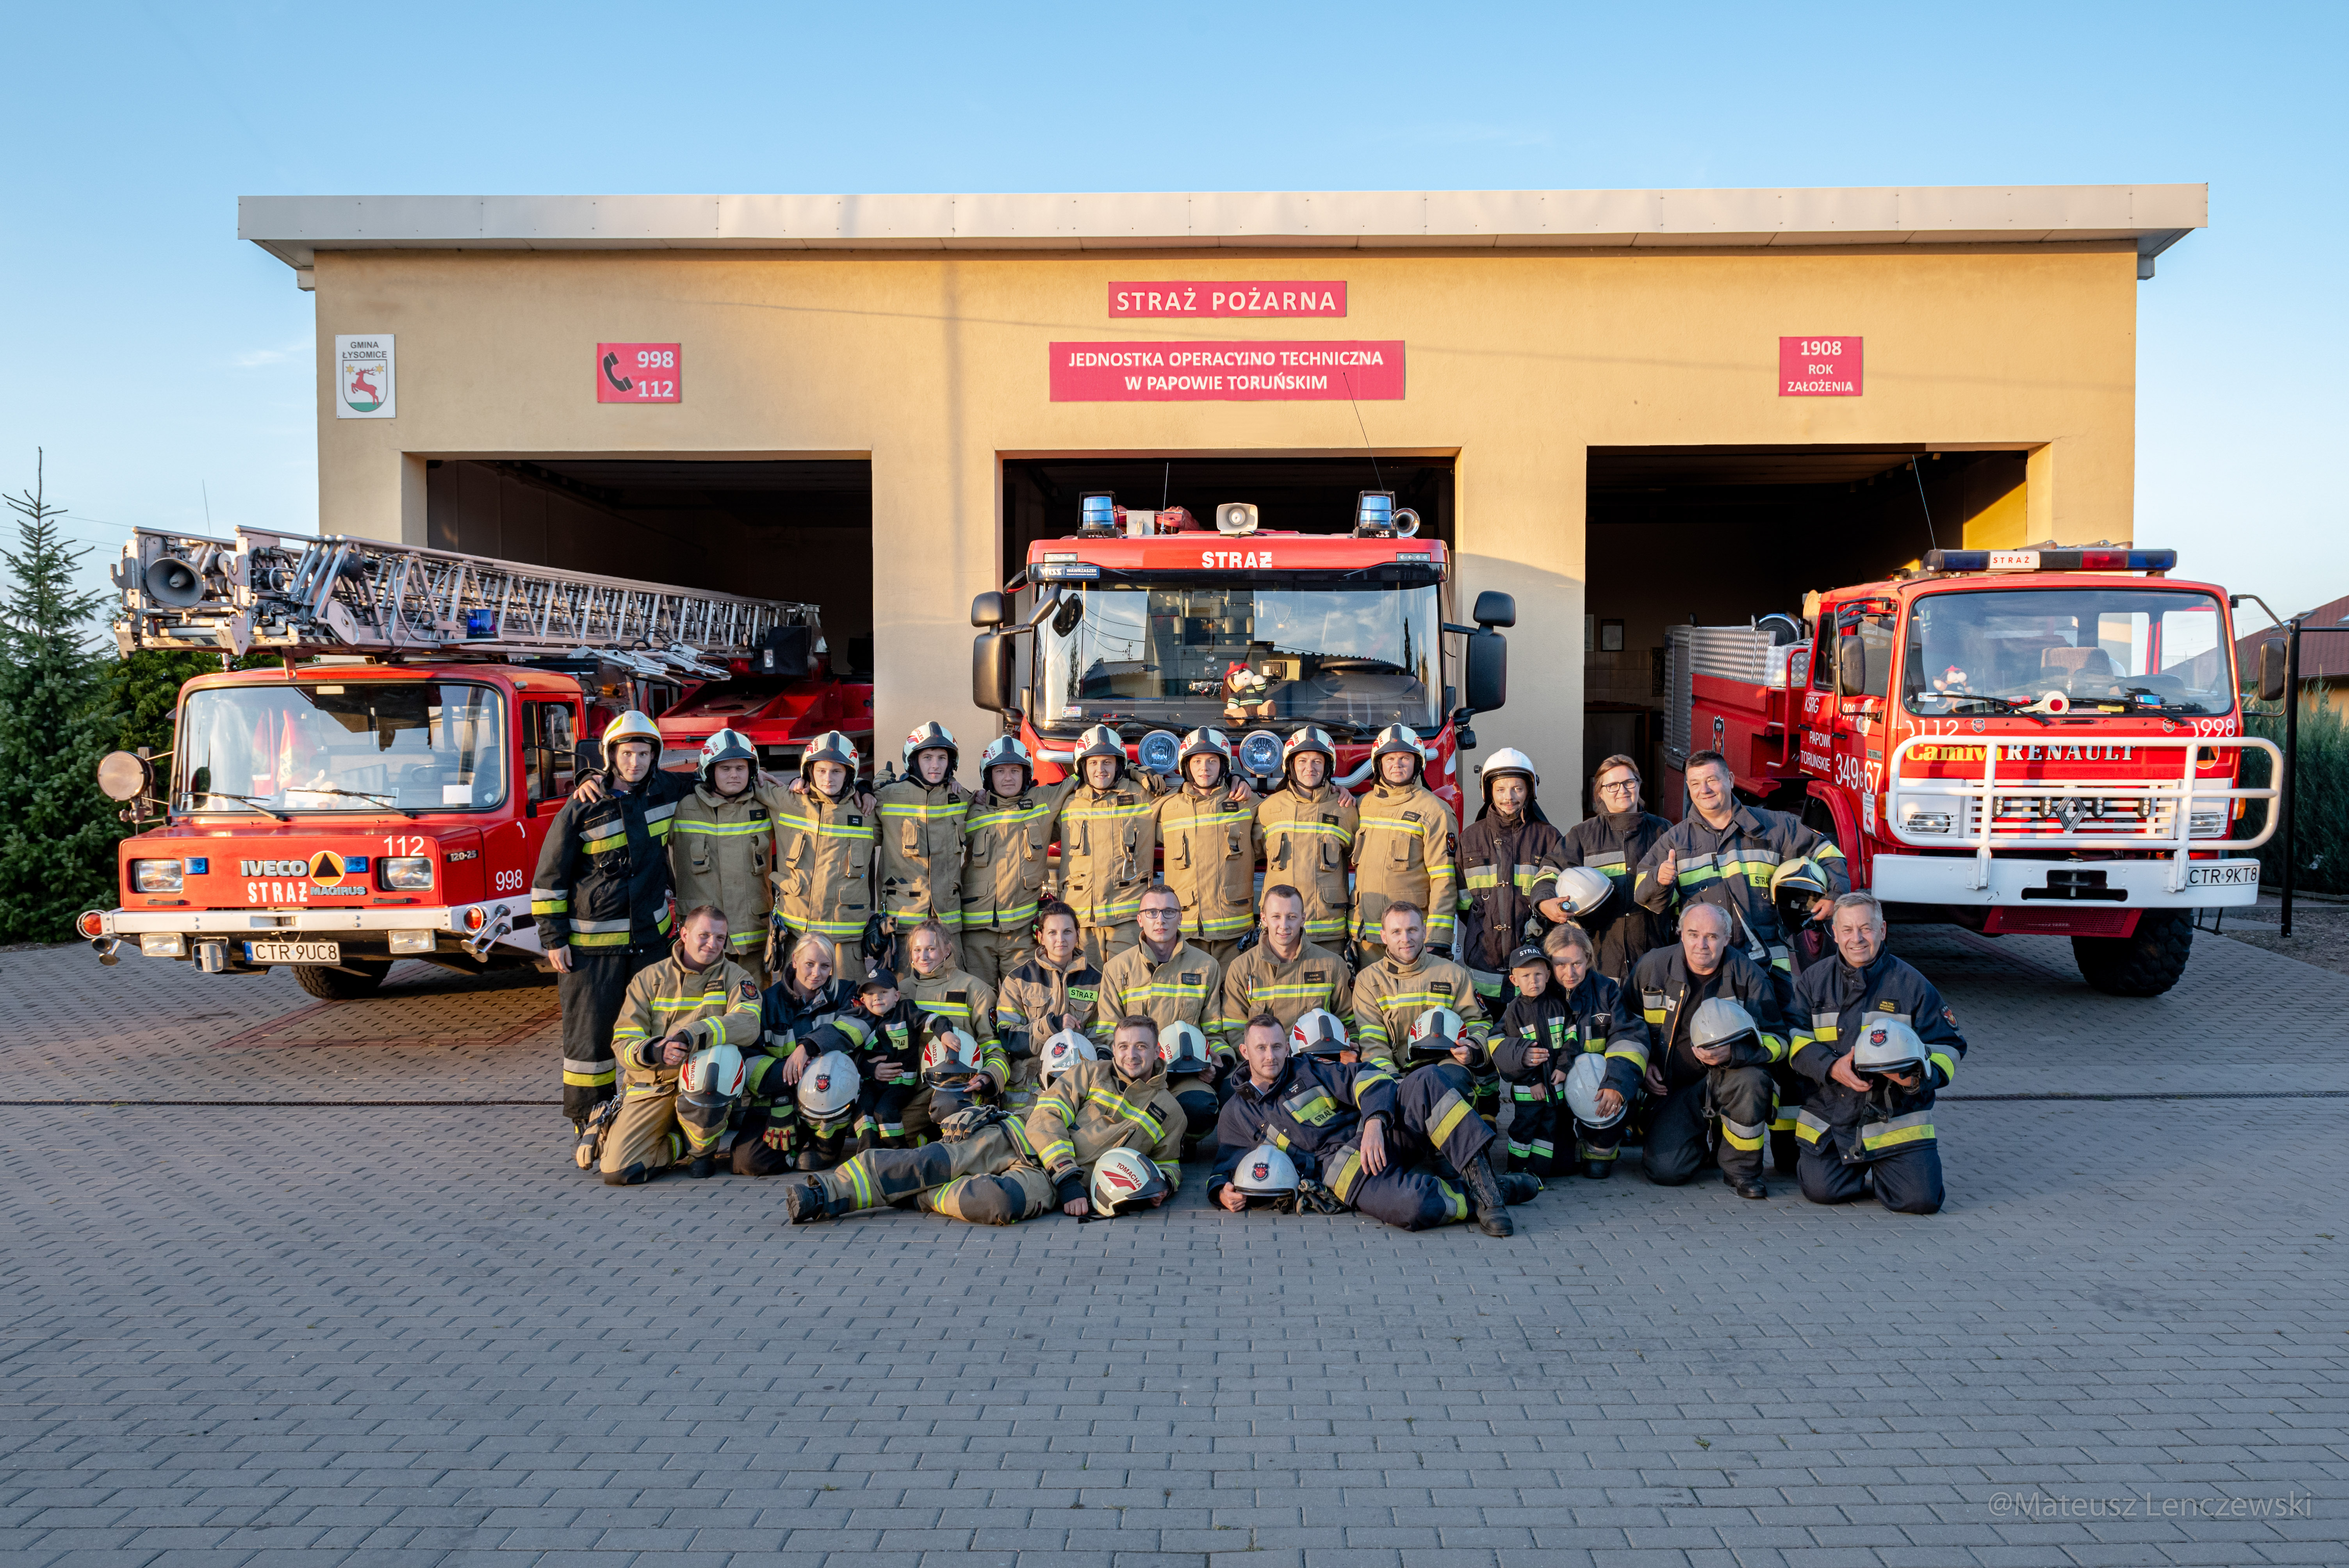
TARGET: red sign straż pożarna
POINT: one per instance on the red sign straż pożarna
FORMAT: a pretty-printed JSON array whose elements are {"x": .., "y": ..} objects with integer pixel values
[
  {"x": 1222, "y": 299},
  {"x": 1819, "y": 367},
  {"x": 639, "y": 373},
  {"x": 1231, "y": 372}
]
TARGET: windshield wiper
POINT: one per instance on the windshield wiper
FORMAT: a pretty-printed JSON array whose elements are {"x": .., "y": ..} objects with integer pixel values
[
  {"x": 2165, "y": 705},
  {"x": 224, "y": 795},
  {"x": 2005, "y": 705},
  {"x": 391, "y": 801}
]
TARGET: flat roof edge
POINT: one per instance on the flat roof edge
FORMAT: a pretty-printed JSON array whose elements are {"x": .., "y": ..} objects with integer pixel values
[{"x": 294, "y": 228}]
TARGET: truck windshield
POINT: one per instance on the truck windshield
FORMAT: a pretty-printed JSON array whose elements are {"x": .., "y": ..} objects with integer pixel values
[
  {"x": 1189, "y": 651},
  {"x": 366, "y": 746},
  {"x": 2112, "y": 650}
]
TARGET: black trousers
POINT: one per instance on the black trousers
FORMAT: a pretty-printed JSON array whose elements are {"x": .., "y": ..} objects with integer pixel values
[
  {"x": 591, "y": 991},
  {"x": 1908, "y": 1183},
  {"x": 1743, "y": 1098},
  {"x": 1435, "y": 1137}
]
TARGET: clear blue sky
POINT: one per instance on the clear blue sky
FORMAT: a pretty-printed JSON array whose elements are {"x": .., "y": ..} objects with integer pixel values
[{"x": 164, "y": 365}]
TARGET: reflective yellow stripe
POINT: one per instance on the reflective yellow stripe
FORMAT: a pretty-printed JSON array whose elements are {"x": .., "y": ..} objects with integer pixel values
[
  {"x": 1349, "y": 1173},
  {"x": 587, "y": 1080},
  {"x": 1448, "y": 1114},
  {"x": 1454, "y": 1199}
]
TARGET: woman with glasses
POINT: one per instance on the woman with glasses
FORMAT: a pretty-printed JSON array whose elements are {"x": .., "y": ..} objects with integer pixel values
[{"x": 1613, "y": 840}]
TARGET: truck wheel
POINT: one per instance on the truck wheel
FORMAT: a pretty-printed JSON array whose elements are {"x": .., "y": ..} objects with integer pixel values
[
  {"x": 342, "y": 984},
  {"x": 2144, "y": 964}
]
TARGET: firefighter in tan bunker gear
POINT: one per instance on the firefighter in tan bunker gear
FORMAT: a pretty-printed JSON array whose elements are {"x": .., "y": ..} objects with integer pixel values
[
  {"x": 1283, "y": 975},
  {"x": 1207, "y": 830},
  {"x": 721, "y": 847},
  {"x": 1054, "y": 990},
  {"x": 1305, "y": 830},
  {"x": 1403, "y": 848},
  {"x": 1007, "y": 858},
  {"x": 994, "y": 1169},
  {"x": 824, "y": 843},
  {"x": 1170, "y": 980},
  {"x": 693, "y": 1000},
  {"x": 1391, "y": 995},
  {"x": 939, "y": 990},
  {"x": 918, "y": 862},
  {"x": 1109, "y": 845}
]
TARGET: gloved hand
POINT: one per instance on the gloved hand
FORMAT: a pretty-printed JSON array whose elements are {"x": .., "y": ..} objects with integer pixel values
[
  {"x": 969, "y": 1123},
  {"x": 877, "y": 947},
  {"x": 1315, "y": 1198}
]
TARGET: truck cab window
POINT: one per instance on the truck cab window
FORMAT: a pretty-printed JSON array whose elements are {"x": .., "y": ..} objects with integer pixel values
[
  {"x": 547, "y": 750},
  {"x": 1864, "y": 649}
]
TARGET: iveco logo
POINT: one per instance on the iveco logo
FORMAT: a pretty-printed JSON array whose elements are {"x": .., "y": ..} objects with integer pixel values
[{"x": 272, "y": 868}]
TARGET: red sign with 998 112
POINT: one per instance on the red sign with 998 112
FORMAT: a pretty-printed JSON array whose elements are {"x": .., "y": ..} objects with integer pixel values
[{"x": 639, "y": 373}]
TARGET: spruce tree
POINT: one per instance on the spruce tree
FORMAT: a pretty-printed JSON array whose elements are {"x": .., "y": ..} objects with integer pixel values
[{"x": 56, "y": 832}]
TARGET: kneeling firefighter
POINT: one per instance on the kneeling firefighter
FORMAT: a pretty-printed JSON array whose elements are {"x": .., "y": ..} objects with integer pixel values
[{"x": 683, "y": 1027}]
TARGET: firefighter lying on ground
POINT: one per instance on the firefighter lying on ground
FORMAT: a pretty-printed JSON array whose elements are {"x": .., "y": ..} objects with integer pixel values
[
  {"x": 1875, "y": 1038},
  {"x": 1104, "y": 1137},
  {"x": 1413, "y": 1154},
  {"x": 1564, "y": 1012},
  {"x": 689, "y": 1017},
  {"x": 1713, "y": 1035}
]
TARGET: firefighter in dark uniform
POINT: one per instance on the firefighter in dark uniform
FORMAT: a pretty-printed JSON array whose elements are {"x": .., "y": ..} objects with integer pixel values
[
  {"x": 1509, "y": 860},
  {"x": 1411, "y": 1153},
  {"x": 1724, "y": 852},
  {"x": 601, "y": 898},
  {"x": 1697, "y": 1063},
  {"x": 1613, "y": 840},
  {"x": 796, "y": 1009},
  {"x": 1862, "y": 1132}
]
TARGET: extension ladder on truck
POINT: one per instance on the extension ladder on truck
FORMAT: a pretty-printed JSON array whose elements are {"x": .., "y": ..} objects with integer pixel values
[{"x": 337, "y": 593}]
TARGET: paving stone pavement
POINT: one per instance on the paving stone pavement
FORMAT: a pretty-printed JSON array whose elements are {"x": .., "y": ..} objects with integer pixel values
[{"x": 251, "y": 1336}]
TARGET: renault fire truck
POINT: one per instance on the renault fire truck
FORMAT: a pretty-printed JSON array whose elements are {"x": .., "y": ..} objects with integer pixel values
[
  {"x": 1155, "y": 623},
  {"x": 384, "y": 794},
  {"x": 2041, "y": 741}
]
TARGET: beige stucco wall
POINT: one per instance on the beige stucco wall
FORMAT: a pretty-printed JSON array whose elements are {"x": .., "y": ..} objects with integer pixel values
[{"x": 935, "y": 365}]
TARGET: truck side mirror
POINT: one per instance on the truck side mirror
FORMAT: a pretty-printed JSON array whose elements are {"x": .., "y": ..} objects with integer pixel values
[
  {"x": 1486, "y": 674},
  {"x": 991, "y": 678},
  {"x": 1495, "y": 608},
  {"x": 2272, "y": 655},
  {"x": 1851, "y": 667},
  {"x": 989, "y": 609}
]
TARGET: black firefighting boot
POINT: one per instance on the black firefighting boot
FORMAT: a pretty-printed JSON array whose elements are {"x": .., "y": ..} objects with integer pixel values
[
  {"x": 1484, "y": 1191},
  {"x": 1520, "y": 1187},
  {"x": 804, "y": 1200}
]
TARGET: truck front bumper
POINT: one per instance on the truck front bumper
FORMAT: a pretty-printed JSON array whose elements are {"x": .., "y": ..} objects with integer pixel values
[
  {"x": 503, "y": 921},
  {"x": 2109, "y": 884}
]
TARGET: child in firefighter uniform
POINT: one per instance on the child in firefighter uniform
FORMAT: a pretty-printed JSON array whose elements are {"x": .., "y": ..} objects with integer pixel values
[
  {"x": 990, "y": 1168},
  {"x": 1877, "y": 1040},
  {"x": 1432, "y": 1148},
  {"x": 1563, "y": 1010},
  {"x": 806, "y": 998},
  {"x": 693, "y": 1001},
  {"x": 1509, "y": 860}
]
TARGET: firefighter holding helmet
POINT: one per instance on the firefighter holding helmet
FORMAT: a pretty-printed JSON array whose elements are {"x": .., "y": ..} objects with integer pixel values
[
  {"x": 919, "y": 863},
  {"x": 601, "y": 897},
  {"x": 1305, "y": 830},
  {"x": 1402, "y": 848},
  {"x": 722, "y": 847},
  {"x": 683, "y": 1027},
  {"x": 824, "y": 846},
  {"x": 1007, "y": 858},
  {"x": 1509, "y": 860}
]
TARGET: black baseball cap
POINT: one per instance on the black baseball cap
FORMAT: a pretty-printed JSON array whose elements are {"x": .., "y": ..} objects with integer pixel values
[{"x": 1529, "y": 954}]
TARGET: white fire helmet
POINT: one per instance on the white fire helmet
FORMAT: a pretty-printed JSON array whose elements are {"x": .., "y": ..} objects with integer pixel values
[
  {"x": 630, "y": 726},
  {"x": 1100, "y": 740},
  {"x": 1584, "y": 1079},
  {"x": 1888, "y": 1046},
  {"x": 713, "y": 1069},
  {"x": 1182, "y": 1049},
  {"x": 1266, "y": 1172},
  {"x": 1502, "y": 764},
  {"x": 1006, "y": 749},
  {"x": 949, "y": 1056},
  {"x": 832, "y": 745},
  {"x": 1583, "y": 889},
  {"x": 726, "y": 746},
  {"x": 1204, "y": 742},
  {"x": 1398, "y": 738},
  {"x": 1309, "y": 738},
  {"x": 1064, "y": 1051},
  {"x": 1433, "y": 1034},
  {"x": 1124, "y": 1178},
  {"x": 931, "y": 737},
  {"x": 827, "y": 1089},
  {"x": 1720, "y": 1021},
  {"x": 1318, "y": 1034}
]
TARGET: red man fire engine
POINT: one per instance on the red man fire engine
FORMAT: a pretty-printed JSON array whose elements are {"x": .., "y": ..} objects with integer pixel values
[
  {"x": 2041, "y": 740},
  {"x": 385, "y": 793},
  {"x": 1154, "y": 624}
]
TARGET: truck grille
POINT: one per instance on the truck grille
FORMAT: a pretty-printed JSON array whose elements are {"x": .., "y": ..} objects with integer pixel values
[{"x": 2023, "y": 815}]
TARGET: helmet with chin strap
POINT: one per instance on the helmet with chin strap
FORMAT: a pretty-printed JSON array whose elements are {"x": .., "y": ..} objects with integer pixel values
[
  {"x": 726, "y": 746},
  {"x": 1006, "y": 751},
  {"x": 931, "y": 737},
  {"x": 1309, "y": 738},
  {"x": 1100, "y": 740},
  {"x": 1205, "y": 742},
  {"x": 1398, "y": 740}
]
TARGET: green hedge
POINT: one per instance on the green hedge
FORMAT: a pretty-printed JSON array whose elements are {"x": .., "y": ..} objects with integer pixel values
[{"x": 2322, "y": 809}]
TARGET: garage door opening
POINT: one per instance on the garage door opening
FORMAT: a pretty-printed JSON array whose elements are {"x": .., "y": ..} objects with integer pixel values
[
  {"x": 782, "y": 529},
  {"x": 1717, "y": 536},
  {"x": 1294, "y": 495}
]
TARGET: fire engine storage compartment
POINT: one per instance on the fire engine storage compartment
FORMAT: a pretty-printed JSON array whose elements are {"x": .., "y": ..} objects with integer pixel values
[
  {"x": 1723, "y": 536},
  {"x": 797, "y": 529}
]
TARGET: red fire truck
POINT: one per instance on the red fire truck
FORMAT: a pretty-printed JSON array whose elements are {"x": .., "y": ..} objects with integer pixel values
[
  {"x": 385, "y": 792},
  {"x": 2044, "y": 741},
  {"x": 1155, "y": 623}
]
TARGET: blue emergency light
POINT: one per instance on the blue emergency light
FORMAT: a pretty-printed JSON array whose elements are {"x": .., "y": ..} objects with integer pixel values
[
  {"x": 1097, "y": 512},
  {"x": 2051, "y": 560}
]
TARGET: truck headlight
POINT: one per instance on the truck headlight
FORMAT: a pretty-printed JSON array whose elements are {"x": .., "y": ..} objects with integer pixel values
[
  {"x": 410, "y": 941},
  {"x": 407, "y": 874},
  {"x": 162, "y": 944},
  {"x": 1917, "y": 820},
  {"x": 156, "y": 876},
  {"x": 2208, "y": 823}
]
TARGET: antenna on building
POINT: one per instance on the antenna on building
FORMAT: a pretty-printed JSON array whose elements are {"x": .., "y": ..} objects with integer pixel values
[
  {"x": 1376, "y": 477},
  {"x": 1917, "y": 469}
]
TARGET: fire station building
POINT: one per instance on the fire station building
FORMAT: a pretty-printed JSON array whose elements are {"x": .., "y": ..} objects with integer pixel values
[{"x": 1629, "y": 408}]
